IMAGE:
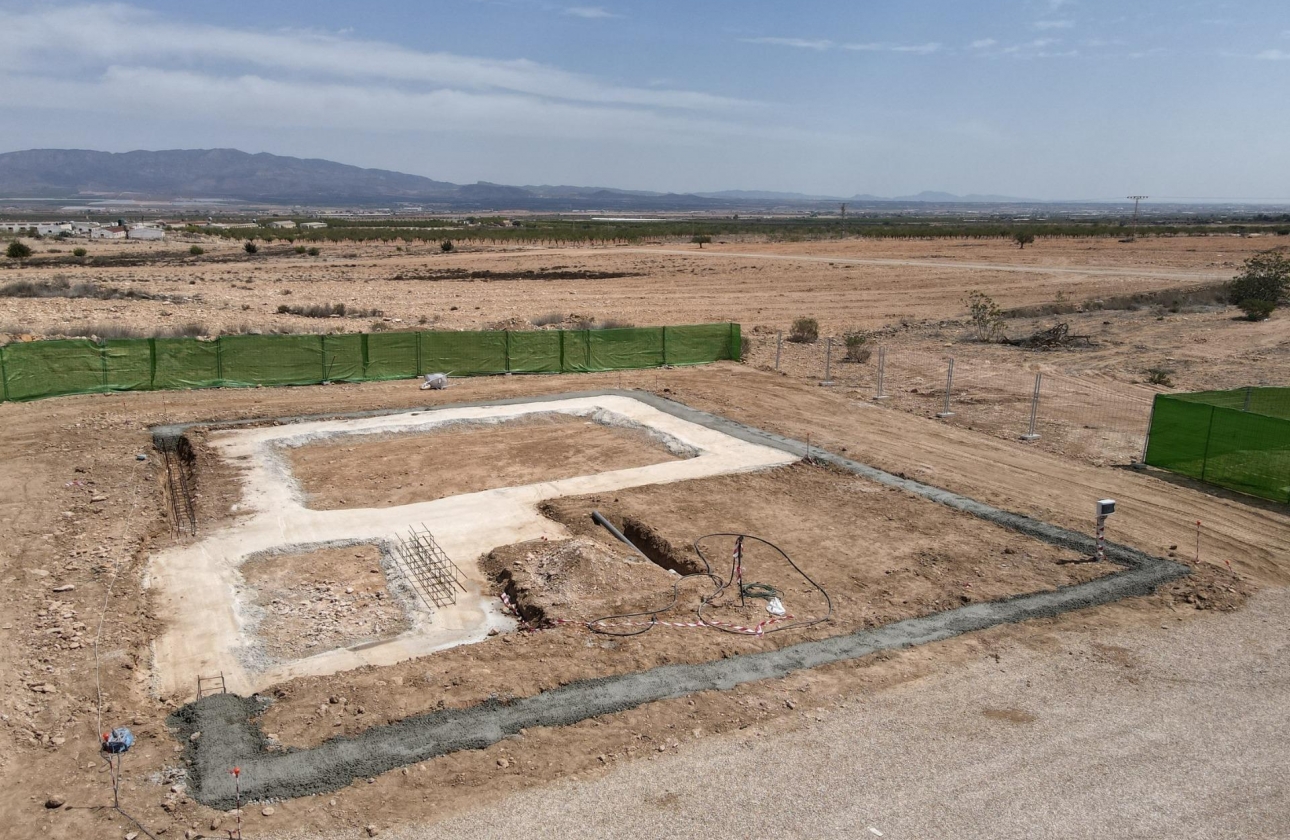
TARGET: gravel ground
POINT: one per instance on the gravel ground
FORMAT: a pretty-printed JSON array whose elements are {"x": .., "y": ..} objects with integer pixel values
[{"x": 1172, "y": 732}]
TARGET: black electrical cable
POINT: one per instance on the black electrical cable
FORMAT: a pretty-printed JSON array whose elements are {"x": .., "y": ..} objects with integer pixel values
[{"x": 751, "y": 590}]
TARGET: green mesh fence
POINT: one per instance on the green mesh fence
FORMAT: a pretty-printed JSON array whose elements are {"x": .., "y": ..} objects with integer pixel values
[
  {"x": 37, "y": 369},
  {"x": 1238, "y": 439}
]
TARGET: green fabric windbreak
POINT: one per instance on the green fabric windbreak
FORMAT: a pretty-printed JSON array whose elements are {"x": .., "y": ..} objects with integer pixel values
[
  {"x": 1249, "y": 453},
  {"x": 534, "y": 352},
  {"x": 127, "y": 364},
  {"x": 32, "y": 370},
  {"x": 702, "y": 343},
  {"x": 248, "y": 360},
  {"x": 52, "y": 368},
  {"x": 1210, "y": 436},
  {"x": 186, "y": 363},
  {"x": 463, "y": 353},
  {"x": 625, "y": 349},
  {"x": 575, "y": 351},
  {"x": 343, "y": 357},
  {"x": 392, "y": 355},
  {"x": 1179, "y": 435}
]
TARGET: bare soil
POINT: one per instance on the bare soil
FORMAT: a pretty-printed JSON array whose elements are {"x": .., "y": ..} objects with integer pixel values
[
  {"x": 320, "y": 600},
  {"x": 78, "y": 510},
  {"x": 401, "y": 469}
]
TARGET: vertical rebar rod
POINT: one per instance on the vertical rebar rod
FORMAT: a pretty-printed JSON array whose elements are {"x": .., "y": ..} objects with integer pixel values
[
  {"x": 949, "y": 384},
  {"x": 882, "y": 371},
  {"x": 1031, "y": 434},
  {"x": 779, "y": 345}
]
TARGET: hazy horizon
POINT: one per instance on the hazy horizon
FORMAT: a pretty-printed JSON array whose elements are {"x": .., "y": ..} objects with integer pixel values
[{"x": 1038, "y": 99}]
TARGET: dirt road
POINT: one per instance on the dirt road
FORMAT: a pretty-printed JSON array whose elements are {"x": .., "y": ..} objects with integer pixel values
[{"x": 1175, "y": 731}]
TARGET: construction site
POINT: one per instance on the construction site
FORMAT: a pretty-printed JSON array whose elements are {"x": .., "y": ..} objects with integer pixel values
[{"x": 388, "y": 602}]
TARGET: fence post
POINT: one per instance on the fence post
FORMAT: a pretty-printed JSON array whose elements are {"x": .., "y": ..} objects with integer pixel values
[
  {"x": 882, "y": 371},
  {"x": 1209, "y": 435},
  {"x": 779, "y": 344},
  {"x": 1146, "y": 440},
  {"x": 828, "y": 361},
  {"x": 949, "y": 383},
  {"x": 1034, "y": 409}
]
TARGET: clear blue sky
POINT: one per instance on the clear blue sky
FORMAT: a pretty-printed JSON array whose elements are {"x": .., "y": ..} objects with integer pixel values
[{"x": 1034, "y": 98}]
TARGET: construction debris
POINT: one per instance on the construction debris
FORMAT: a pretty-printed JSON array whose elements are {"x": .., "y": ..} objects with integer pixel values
[{"x": 1053, "y": 337}]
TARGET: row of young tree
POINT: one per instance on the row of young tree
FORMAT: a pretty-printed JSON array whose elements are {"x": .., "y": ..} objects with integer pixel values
[{"x": 571, "y": 232}]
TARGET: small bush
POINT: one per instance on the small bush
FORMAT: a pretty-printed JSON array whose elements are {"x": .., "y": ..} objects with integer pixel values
[
  {"x": 251, "y": 248},
  {"x": 1257, "y": 310},
  {"x": 856, "y": 349},
  {"x": 547, "y": 320},
  {"x": 805, "y": 331},
  {"x": 313, "y": 252},
  {"x": 987, "y": 317},
  {"x": 446, "y": 246},
  {"x": 1160, "y": 376},
  {"x": 79, "y": 252},
  {"x": 17, "y": 251},
  {"x": 197, "y": 250},
  {"x": 1261, "y": 286}
]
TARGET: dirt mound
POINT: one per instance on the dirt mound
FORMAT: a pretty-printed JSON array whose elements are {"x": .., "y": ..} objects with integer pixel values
[{"x": 574, "y": 579}]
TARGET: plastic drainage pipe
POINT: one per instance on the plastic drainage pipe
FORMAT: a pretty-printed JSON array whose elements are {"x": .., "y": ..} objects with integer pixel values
[{"x": 609, "y": 526}]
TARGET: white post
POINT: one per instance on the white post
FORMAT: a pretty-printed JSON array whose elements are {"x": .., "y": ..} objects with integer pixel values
[
  {"x": 949, "y": 383},
  {"x": 1034, "y": 409}
]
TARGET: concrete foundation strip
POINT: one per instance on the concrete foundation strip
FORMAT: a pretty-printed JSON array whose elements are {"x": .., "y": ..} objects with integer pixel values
[{"x": 231, "y": 737}]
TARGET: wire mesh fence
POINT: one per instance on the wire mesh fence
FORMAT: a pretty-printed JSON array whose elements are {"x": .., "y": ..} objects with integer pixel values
[{"x": 1087, "y": 416}]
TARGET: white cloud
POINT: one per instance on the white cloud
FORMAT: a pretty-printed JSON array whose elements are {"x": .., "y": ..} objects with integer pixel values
[
  {"x": 590, "y": 12},
  {"x": 920, "y": 49},
  {"x": 1045, "y": 25},
  {"x": 85, "y": 38},
  {"x": 800, "y": 43},
  {"x": 983, "y": 43}
]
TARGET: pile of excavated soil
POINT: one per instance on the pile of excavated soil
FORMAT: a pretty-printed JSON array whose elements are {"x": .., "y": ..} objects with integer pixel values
[{"x": 574, "y": 579}]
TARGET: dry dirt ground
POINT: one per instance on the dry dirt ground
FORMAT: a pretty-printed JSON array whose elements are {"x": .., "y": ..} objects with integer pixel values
[
  {"x": 319, "y": 600},
  {"x": 403, "y": 469},
  {"x": 81, "y": 514}
]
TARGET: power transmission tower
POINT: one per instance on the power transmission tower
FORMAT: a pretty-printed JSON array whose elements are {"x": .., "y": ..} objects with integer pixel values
[{"x": 1136, "y": 199}]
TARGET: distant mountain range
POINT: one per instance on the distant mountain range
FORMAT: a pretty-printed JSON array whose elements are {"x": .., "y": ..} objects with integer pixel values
[{"x": 236, "y": 176}]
